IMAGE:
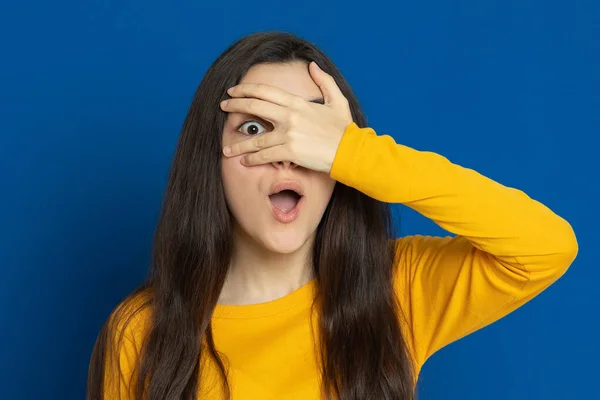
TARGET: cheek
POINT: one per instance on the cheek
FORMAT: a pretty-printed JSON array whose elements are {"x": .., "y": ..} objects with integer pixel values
[
  {"x": 240, "y": 183},
  {"x": 232, "y": 166},
  {"x": 234, "y": 175},
  {"x": 325, "y": 186}
]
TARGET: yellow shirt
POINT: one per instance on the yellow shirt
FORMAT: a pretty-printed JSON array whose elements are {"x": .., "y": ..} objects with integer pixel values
[{"x": 507, "y": 249}]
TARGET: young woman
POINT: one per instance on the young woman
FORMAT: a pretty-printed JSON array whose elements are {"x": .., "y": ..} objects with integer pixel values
[{"x": 274, "y": 274}]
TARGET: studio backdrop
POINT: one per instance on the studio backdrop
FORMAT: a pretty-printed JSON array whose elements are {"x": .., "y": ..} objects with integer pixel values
[{"x": 94, "y": 93}]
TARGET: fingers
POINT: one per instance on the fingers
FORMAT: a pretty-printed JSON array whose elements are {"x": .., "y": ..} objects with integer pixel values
[
  {"x": 264, "y": 92},
  {"x": 272, "y": 154},
  {"x": 331, "y": 92},
  {"x": 259, "y": 108},
  {"x": 254, "y": 144}
]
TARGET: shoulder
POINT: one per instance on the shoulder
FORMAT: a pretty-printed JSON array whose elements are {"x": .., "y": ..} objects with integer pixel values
[{"x": 132, "y": 317}]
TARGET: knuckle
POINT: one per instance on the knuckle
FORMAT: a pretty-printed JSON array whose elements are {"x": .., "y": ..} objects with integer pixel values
[
  {"x": 259, "y": 142},
  {"x": 297, "y": 102},
  {"x": 289, "y": 134},
  {"x": 264, "y": 155},
  {"x": 252, "y": 105},
  {"x": 259, "y": 88},
  {"x": 289, "y": 137},
  {"x": 293, "y": 117}
]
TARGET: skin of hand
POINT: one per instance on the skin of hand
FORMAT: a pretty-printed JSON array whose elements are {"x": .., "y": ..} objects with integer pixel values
[{"x": 305, "y": 133}]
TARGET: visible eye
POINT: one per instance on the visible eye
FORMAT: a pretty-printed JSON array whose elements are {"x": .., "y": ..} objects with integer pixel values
[{"x": 253, "y": 128}]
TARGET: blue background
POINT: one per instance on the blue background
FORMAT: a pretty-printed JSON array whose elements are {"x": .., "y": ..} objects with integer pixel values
[{"x": 93, "y": 94}]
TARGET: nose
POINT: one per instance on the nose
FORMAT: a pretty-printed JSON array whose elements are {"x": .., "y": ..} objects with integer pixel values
[{"x": 284, "y": 165}]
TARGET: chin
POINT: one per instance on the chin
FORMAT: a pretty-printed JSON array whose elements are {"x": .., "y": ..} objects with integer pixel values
[{"x": 283, "y": 242}]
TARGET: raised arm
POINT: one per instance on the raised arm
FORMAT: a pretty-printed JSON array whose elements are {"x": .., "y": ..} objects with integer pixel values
[{"x": 507, "y": 249}]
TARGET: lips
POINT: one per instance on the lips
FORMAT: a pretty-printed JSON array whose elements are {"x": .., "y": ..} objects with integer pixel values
[
  {"x": 287, "y": 185},
  {"x": 286, "y": 198}
]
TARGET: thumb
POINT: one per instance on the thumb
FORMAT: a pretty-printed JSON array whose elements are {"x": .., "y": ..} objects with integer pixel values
[{"x": 332, "y": 94}]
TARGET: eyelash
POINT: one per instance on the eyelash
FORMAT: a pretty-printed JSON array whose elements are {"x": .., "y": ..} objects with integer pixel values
[{"x": 254, "y": 121}]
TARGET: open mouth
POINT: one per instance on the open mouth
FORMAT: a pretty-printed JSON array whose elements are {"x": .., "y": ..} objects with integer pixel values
[{"x": 286, "y": 200}]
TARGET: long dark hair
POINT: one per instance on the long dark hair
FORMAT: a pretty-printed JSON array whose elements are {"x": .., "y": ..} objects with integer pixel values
[{"x": 362, "y": 351}]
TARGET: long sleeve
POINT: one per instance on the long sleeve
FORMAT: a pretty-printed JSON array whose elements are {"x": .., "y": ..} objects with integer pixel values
[{"x": 507, "y": 249}]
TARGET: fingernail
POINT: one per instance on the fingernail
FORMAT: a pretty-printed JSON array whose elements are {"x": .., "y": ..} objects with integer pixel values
[
  {"x": 231, "y": 90},
  {"x": 227, "y": 150},
  {"x": 224, "y": 103}
]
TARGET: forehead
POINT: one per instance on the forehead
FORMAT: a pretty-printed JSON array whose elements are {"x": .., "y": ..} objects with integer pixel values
[{"x": 291, "y": 77}]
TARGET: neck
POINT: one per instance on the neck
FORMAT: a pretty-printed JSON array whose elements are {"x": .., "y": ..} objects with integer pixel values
[{"x": 258, "y": 275}]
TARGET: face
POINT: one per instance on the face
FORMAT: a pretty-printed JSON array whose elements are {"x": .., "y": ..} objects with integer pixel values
[{"x": 247, "y": 188}]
